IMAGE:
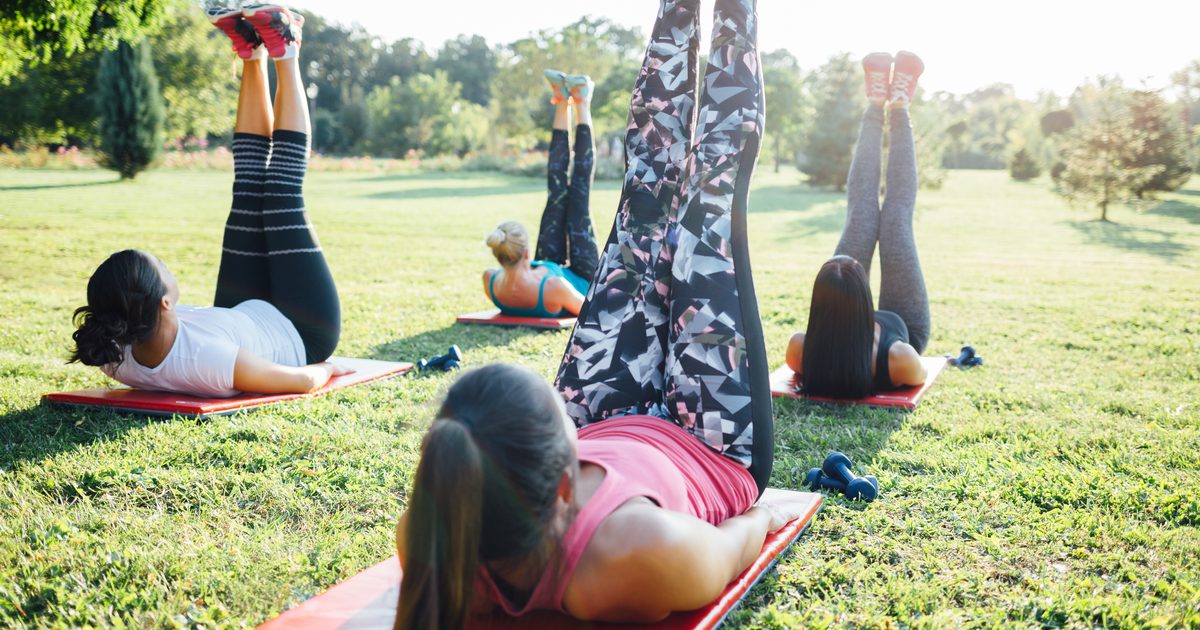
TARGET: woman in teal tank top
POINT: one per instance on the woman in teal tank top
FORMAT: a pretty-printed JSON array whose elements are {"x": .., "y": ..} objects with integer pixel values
[{"x": 555, "y": 283}]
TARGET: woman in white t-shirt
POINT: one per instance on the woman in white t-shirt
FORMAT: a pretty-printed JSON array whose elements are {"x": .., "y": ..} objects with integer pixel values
[{"x": 276, "y": 316}]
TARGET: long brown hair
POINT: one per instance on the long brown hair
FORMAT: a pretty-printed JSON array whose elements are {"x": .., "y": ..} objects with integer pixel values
[
  {"x": 485, "y": 490},
  {"x": 841, "y": 331}
]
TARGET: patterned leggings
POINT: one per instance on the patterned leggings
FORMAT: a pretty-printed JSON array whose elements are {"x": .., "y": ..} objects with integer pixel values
[
  {"x": 565, "y": 235},
  {"x": 270, "y": 251},
  {"x": 670, "y": 326}
]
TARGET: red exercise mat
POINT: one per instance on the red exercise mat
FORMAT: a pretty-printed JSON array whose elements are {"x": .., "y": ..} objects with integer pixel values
[
  {"x": 783, "y": 383},
  {"x": 495, "y": 318},
  {"x": 368, "y": 600},
  {"x": 153, "y": 403}
]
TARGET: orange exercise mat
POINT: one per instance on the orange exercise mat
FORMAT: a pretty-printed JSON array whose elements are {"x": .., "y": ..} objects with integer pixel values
[
  {"x": 153, "y": 403},
  {"x": 368, "y": 600},
  {"x": 783, "y": 383},
  {"x": 495, "y": 318}
]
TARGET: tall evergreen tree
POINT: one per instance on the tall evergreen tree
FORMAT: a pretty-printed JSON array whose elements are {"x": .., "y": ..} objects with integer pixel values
[
  {"x": 130, "y": 109},
  {"x": 839, "y": 102},
  {"x": 1164, "y": 142},
  {"x": 1099, "y": 156}
]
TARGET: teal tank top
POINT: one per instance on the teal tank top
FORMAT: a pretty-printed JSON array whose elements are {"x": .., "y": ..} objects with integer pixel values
[{"x": 552, "y": 270}]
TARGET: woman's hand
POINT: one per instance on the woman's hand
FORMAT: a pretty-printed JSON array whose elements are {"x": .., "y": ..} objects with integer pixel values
[
  {"x": 783, "y": 506},
  {"x": 335, "y": 369}
]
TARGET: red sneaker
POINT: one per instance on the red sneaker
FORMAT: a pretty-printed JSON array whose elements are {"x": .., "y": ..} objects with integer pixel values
[
  {"x": 246, "y": 42},
  {"x": 904, "y": 78},
  {"x": 877, "y": 70},
  {"x": 279, "y": 28}
]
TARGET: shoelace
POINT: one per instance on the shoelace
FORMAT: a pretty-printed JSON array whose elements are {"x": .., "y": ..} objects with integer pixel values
[
  {"x": 878, "y": 83},
  {"x": 900, "y": 83}
]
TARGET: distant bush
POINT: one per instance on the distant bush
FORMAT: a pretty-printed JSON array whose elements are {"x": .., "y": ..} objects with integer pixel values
[{"x": 1023, "y": 167}]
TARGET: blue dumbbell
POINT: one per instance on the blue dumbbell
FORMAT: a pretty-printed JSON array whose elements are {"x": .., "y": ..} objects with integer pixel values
[
  {"x": 815, "y": 481},
  {"x": 445, "y": 362},
  {"x": 837, "y": 466}
]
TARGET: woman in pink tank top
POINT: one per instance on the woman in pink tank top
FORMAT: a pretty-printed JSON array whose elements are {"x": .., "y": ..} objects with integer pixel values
[{"x": 650, "y": 506}]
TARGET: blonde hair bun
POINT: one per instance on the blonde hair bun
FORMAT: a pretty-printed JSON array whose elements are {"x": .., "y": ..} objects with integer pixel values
[{"x": 509, "y": 242}]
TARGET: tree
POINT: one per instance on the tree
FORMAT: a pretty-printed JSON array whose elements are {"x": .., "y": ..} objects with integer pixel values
[
  {"x": 838, "y": 103},
  {"x": 1187, "y": 87},
  {"x": 471, "y": 63},
  {"x": 426, "y": 113},
  {"x": 130, "y": 108},
  {"x": 51, "y": 103},
  {"x": 191, "y": 59},
  {"x": 786, "y": 105},
  {"x": 35, "y": 31},
  {"x": 1099, "y": 155},
  {"x": 1023, "y": 167},
  {"x": 1057, "y": 121},
  {"x": 1164, "y": 143}
]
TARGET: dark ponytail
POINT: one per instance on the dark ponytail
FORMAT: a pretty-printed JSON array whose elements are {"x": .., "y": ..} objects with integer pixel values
[
  {"x": 485, "y": 490},
  {"x": 841, "y": 332},
  {"x": 123, "y": 298}
]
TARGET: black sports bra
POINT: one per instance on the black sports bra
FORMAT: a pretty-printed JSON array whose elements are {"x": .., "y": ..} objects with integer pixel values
[{"x": 891, "y": 330}]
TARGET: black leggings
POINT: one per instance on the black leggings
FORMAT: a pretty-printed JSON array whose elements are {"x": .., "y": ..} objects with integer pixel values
[
  {"x": 670, "y": 326},
  {"x": 270, "y": 251},
  {"x": 565, "y": 235}
]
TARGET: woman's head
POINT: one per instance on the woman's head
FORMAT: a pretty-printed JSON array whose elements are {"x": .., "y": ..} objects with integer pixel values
[
  {"x": 497, "y": 469},
  {"x": 841, "y": 331},
  {"x": 509, "y": 242},
  {"x": 126, "y": 297}
]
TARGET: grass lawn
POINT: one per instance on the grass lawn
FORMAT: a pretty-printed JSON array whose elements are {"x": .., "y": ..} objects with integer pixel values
[{"x": 1055, "y": 486}]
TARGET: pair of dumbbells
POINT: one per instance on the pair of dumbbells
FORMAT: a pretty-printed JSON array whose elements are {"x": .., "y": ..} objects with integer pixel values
[
  {"x": 441, "y": 363},
  {"x": 835, "y": 474}
]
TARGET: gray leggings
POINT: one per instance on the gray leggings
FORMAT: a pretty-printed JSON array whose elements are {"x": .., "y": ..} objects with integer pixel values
[{"x": 902, "y": 286}]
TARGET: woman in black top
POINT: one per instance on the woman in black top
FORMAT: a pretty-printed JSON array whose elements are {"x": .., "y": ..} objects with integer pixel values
[{"x": 849, "y": 349}]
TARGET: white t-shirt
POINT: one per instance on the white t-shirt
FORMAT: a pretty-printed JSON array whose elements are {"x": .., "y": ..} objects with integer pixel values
[{"x": 201, "y": 360}]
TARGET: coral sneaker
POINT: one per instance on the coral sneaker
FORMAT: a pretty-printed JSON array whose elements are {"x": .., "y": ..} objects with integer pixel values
[
  {"x": 580, "y": 86},
  {"x": 877, "y": 70},
  {"x": 907, "y": 70},
  {"x": 558, "y": 86},
  {"x": 279, "y": 28},
  {"x": 246, "y": 42}
]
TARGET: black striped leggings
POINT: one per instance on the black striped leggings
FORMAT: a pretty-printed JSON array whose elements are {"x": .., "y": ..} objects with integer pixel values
[{"x": 270, "y": 251}]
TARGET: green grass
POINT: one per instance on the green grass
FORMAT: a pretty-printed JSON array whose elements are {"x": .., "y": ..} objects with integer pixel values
[{"x": 1056, "y": 486}]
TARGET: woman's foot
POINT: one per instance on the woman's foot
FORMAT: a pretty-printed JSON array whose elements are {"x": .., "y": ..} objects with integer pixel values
[
  {"x": 279, "y": 28},
  {"x": 580, "y": 87},
  {"x": 877, "y": 70},
  {"x": 908, "y": 68},
  {"x": 558, "y": 87},
  {"x": 246, "y": 42}
]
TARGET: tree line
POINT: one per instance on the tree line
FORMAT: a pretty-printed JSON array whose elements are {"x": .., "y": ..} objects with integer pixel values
[{"x": 398, "y": 98}]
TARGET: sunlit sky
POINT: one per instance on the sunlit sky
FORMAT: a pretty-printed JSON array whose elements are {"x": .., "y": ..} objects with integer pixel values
[{"x": 1033, "y": 44}]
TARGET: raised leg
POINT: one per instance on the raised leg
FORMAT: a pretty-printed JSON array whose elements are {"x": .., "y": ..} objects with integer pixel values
[
  {"x": 902, "y": 285},
  {"x": 243, "y": 272},
  {"x": 552, "y": 238},
  {"x": 302, "y": 286},
  {"x": 613, "y": 363},
  {"x": 581, "y": 239},
  {"x": 862, "y": 191},
  {"x": 716, "y": 366}
]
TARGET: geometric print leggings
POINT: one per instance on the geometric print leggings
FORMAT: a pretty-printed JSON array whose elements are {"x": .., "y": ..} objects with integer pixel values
[
  {"x": 670, "y": 326},
  {"x": 270, "y": 251}
]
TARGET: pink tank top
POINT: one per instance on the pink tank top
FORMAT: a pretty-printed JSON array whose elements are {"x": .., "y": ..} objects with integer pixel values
[{"x": 642, "y": 456}]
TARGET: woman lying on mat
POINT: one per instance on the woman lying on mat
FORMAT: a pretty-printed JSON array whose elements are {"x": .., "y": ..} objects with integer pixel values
[
  {"x": 551, "y": 286},
  {"x": 665, "y": 373},
  {"x": 850, "y": 349},
  {"x": 276, "y": 316}
]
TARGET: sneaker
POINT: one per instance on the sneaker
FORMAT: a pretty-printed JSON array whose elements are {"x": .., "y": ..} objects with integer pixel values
[
  {"x": 580, "y": 87},
  {"x": 558, "y": 87},
  {"x": 877, "y": 70},
  {"x": 279, "y": 28},
  {"x": 246, "y": 42},
  {"x": 908, "y": 69}
]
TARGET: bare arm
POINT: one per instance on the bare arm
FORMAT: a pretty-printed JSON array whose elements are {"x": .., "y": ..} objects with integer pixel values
[
  {"x": 565, "y": 295},
  {"x": 252, "y": 373},
  {"x": 616, "y": 574},
  {"x": 487, "y": 282},
  {"x": 795, "y": 353},
  {"x": 904, "y": 365}
]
